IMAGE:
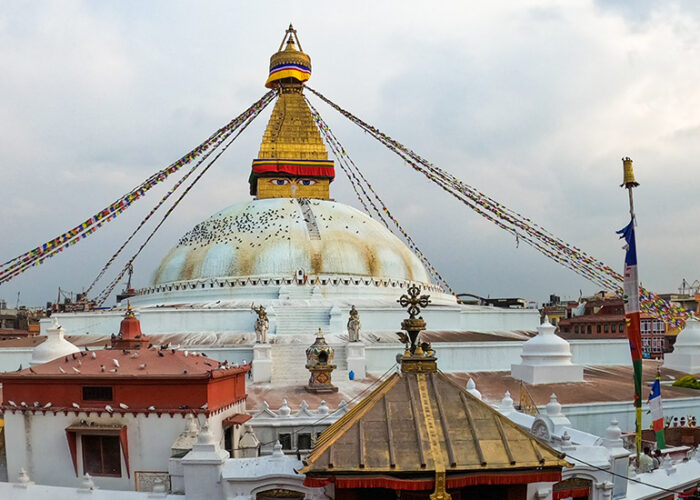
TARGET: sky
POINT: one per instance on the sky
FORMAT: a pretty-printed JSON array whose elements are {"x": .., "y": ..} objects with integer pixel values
[{"x": 532, "y": 102}]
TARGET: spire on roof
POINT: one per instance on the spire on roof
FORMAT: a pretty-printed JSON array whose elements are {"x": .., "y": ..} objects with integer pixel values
[
  {"x": 293, "y": 161},
  {"x": 130, "y": 335}
]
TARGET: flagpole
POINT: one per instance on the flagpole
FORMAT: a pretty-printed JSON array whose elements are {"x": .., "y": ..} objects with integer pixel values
[{"x": 631, "y": 298}]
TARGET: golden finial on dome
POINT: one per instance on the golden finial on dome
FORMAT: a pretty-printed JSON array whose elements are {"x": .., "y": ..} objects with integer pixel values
[{"x": 289, "y": 62}]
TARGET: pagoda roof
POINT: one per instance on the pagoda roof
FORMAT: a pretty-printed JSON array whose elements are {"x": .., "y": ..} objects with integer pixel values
[{"x": 411, "y": 420}]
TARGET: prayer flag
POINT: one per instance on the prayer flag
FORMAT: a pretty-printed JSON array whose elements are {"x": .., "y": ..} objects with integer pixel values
[
  {"x": 657, "y": 414},
  {"x": 632, "y": 320}
]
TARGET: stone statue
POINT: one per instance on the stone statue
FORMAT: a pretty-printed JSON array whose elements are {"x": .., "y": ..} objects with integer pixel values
[
  {"x": 262, "y": 324},
  {"x": 354, "y": 325}
]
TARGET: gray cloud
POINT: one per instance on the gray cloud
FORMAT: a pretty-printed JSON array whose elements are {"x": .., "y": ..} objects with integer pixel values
[{"x": 532, "y": 105}]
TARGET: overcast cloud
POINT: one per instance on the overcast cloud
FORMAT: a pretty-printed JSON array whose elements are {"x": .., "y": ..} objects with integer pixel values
[{"x": 534, "y": 103}]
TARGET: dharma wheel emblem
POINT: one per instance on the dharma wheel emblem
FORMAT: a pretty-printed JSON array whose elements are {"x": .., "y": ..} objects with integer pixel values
[{"x": 413, "y": 300}]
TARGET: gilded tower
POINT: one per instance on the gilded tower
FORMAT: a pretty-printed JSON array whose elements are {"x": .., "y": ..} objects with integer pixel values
[{"x": 293, "y": 161}]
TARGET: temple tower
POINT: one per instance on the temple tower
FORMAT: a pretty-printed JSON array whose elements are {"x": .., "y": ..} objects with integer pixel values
[{"x": 293, "y": 161}]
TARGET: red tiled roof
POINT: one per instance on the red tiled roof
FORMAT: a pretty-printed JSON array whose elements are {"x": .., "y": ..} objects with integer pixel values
[
  {"x": 237, "y": 419},
  {"x": 143, "y": 363}
]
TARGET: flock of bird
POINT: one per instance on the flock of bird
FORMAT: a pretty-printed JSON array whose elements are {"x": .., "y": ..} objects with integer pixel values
[{"x": 239, "y": 229}]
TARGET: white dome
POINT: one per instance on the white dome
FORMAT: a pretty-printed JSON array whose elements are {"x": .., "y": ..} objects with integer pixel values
[
  {"x": 688, "y": 340},
  {"x": 546, "y": 348},
  {"x": 277, "y": 237},
  {"x": 54, "y": 347}
]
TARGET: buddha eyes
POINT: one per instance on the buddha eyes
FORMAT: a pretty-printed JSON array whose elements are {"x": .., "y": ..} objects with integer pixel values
[{"x": 284, "y": 182}]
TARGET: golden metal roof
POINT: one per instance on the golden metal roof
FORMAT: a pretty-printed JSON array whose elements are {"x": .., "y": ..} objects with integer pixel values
[
  {"x": 418, "y": 422},
  {"x": 291, "y": 132}
]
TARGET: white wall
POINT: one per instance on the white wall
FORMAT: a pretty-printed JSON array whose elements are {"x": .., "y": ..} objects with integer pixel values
[
  {"x": 499, "y": 355},
  {"x": 38, "y": 444}
]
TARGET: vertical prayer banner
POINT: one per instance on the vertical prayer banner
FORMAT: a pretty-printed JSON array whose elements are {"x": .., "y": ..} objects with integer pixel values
[
  {"x": 632, "y": 320},
  {"x": 657, "y": 413}
]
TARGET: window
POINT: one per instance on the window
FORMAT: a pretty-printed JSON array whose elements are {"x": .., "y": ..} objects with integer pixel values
[
  {"x": 97, "y": 393},
  {"x": 304, "y": 441},
  {"x": 576, "y": 329},
  {"x": 613, "y": 328},
  {"x": 101, "y": 455},
  {"x": 606, "y": 328},
  {"x": 598, "y": 328},
  {"x": 588, "y": 329},
  {"x": 286, "y": 441}
]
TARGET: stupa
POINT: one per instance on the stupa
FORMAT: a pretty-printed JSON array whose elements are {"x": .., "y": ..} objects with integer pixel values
[{"x": 293, "y": 250}]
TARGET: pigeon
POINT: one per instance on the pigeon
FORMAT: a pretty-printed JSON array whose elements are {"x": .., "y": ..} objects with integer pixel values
[
  {"x": 12, "y": 403},
  {"x": 36, "y": 404},
  {"x": 123, "y": 406},
  {"x": 76, "y": 405},
  {"x": 116, "y": 362},
  {"x": 102, "y": 367},
  {"x": 23, "y": 404},
  {"x": 93, "y": 355},
  {"x": 184, "y": 407},
  {"x": 151, "y": 408},
  {"x": 187, "y": 353},
  {"x": 203, "y": 354},
  {"x": 142, "y": 366},
  {"x": 48, "y": 405},
  {"x": 113, "y": 370},
  {"x": 185, "y": 372},
  {"x": 75, "y": 369},
  {"x": 207, "y": 363},
  {"x": 73, "y": 355},
  {"x": 86, "y": 348},
  {"x": 204, "y": 406},
  {"x": 20, "y": 367},
  {"x": 31, "y": 370},
  {"x": 66, "y": 359},
  {"x": 109, "y": 408},
  {"x": 61, "y": 370},
  {"x": 135, "y": 355},
  {"x": 160, "y": 353}
]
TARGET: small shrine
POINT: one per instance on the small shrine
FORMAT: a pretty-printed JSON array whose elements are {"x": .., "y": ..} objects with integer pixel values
[
  {"x": 319, "y": 361},
  {"x": 130, "y": 335},
  {"x": 419, "y": 435}
]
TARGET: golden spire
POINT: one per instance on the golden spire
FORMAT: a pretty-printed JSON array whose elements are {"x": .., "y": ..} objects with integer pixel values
[
  {"x": 290, "y": 63},
  {"x": 293, "y": 160}
]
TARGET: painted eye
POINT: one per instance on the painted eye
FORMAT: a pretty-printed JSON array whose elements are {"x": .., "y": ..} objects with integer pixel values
[
  {"x": 307, "y": 182},
  {"x": 279, "y": 182}
]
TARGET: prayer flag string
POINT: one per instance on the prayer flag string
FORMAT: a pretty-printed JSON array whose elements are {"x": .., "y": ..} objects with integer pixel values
[
  {"x": 352, "y": 172},
  {"x": 51, "y": 248},
  {"x": 102, "y": 297},
  {"x": 523, "y": 228}
]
